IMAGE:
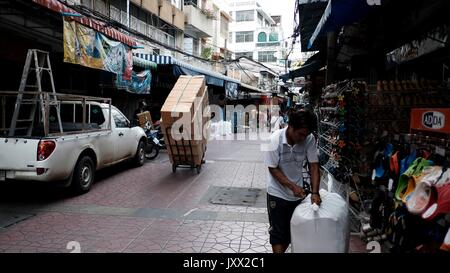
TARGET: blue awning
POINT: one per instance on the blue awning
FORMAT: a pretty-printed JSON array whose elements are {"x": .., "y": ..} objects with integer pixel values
[
  {"x": 313, "y": 64},
  {"x": 338, "y": 14},
  {"x": 143, "y": 63},
  {"x": 310, "y": 12},
  {"x": 182, "y": 68}
]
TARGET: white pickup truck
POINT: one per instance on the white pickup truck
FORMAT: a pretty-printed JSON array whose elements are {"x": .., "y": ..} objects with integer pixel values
[{"x": 73, "y": 155}]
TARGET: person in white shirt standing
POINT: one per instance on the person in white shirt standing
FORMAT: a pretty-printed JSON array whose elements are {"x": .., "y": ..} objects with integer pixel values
[
  {"x": 276, "y": 121},
  {"x": 290, "y": 147}
]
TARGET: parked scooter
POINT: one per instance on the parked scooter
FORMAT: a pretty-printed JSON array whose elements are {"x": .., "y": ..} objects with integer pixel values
[{"x": 155, "y": 141}]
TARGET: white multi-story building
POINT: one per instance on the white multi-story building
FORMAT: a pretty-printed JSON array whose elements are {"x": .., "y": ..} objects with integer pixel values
[{"x": 255, "y": 34}]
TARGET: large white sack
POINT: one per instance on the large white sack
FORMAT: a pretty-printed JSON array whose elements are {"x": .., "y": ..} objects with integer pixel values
[{"x": 323, "y": 229}]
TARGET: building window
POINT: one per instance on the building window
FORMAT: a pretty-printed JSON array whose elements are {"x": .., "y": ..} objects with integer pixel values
[
  {"x": 100, "y": 6},
  {"x": 262, "y": 37},
  {"x": 87, "y": 3},
  {"x": 133, "y": 22},
  {"x": 114, "y": 13},
  {"x": 273, "y": 37},
  {"x": 245, "y": 15},
  {"x": 244, "y": 36},
  {"x": 244, "y": 54},
  {"x": 123, "y": 18},
  {"x": 230, "y": 37},
  {"x": 191, "y": 3},
  {"x": 267, "y": 56}
]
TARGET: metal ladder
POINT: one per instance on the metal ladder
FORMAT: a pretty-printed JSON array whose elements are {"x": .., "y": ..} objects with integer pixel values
[{"x": 25, "y": 122}]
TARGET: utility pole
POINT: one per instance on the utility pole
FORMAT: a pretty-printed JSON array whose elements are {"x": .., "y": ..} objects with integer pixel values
[{"x": 128, "y": 13}]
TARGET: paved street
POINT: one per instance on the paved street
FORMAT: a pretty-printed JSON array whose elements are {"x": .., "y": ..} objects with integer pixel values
[{"x": 148, "y": 209}]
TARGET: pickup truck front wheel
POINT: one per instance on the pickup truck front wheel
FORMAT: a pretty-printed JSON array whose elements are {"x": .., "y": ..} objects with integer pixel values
[
  {"x": 83, "y": 175},
  {"x": 140, "y": 154}
]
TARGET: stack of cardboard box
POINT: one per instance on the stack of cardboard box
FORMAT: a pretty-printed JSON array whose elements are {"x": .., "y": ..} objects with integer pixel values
[{"x": 184, "y": 120}]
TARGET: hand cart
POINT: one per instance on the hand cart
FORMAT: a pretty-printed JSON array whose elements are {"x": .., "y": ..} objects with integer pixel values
[{"x": 181, "y": 159}]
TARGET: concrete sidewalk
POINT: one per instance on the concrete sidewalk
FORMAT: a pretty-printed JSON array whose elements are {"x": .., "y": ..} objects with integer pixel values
[{"x": 149, "y": 209}]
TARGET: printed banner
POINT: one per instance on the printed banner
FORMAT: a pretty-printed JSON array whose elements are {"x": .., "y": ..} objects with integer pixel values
[{"x": 87, "y": 47}]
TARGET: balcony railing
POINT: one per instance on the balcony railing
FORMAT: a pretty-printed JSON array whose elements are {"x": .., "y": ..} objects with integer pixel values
[{"x": 267, "y": 44}]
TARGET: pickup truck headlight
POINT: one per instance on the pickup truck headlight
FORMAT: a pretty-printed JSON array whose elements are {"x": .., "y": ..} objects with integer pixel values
[{"x": 45, "y": 149}]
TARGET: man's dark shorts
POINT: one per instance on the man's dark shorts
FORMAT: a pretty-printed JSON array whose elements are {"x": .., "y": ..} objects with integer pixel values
[{"x": 280, "y": 212}]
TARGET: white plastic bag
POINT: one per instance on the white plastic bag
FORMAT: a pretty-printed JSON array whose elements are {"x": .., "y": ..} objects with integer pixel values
[{"x": 323, "y": 229}]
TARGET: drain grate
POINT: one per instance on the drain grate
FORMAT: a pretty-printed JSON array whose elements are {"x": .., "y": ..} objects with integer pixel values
[
  {"x": 235, "y": 196},
  {"x": 8, "y": 218}
]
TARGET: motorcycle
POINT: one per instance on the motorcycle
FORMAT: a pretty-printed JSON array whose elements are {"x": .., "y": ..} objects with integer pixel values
[{"x": 155, "y": 141}]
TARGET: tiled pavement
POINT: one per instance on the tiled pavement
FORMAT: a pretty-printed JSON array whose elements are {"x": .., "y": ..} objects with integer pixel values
[{"x": 146, "y": 209}]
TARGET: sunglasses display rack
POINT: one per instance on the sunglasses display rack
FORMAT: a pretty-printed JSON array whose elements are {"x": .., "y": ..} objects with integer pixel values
[
  {"x": 341, "y": 133},
  {"x": 340, "y": 128}
]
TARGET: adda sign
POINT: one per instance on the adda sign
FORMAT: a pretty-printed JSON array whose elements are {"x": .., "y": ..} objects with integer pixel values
[{"x": 431, "y": 120}]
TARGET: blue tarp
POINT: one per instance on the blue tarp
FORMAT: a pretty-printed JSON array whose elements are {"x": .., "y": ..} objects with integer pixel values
[
  {"x": 139, "y": 84},
  {"x": 179, "y": 70}
]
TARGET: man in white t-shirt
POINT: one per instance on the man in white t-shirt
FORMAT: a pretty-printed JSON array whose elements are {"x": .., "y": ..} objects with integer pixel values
[{"x": 290, "y": 147}]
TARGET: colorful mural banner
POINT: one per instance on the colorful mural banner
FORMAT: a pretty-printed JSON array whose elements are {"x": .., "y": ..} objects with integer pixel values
[{"x": 87, "y": 47}]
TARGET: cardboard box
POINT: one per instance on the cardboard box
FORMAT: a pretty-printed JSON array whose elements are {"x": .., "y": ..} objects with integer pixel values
[
  {"x": 188, "y": 99},
  {"x": 145, "y": 117},
  {"x": 181, "y": 100},
  {"x": 190, "y": 131},
  {"x": 171, "y": 112}
]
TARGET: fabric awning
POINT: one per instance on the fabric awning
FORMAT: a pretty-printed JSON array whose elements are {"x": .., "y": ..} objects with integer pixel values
[
  {"x": 310, "y": 13},
  {"x": 337, "y": 14},
  {"x": 99, "y": 26},
  {"x": 142, "y": 63},
  {"x": 182, "y": 68}
]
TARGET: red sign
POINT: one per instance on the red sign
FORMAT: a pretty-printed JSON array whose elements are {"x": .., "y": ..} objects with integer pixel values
[{"x": 431, "y": 119}]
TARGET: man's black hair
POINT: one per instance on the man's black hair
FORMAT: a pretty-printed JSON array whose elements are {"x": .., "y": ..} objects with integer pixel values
[{"x": 303, "y": 119}]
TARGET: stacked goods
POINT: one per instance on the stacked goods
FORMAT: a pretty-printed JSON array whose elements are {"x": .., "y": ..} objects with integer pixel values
[
  {"x": 183, "y": 120},
  {"x": 145, "y": 120}
]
